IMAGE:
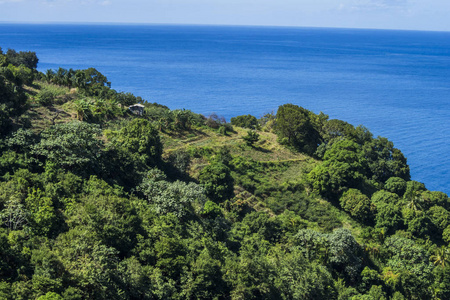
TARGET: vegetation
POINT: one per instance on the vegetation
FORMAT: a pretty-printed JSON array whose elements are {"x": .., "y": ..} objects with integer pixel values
[{"x": 99, "y": 203}]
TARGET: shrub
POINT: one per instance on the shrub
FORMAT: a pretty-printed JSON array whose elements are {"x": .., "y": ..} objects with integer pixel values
[{"x": 245, "y": 121}]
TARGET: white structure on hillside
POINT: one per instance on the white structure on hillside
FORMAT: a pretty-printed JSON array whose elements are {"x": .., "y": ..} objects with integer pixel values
[{"x": 137, "y": 109}]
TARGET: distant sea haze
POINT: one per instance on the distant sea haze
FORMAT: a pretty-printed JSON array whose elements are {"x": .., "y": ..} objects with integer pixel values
[{"x": 396, "y": 83}]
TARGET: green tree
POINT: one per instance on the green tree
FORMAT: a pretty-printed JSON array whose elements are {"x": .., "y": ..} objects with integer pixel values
[
  {"x": 177, "y": 197},
  {"x": 446, "y": 234},
  {"x": 89, "y": 263},
  {"x": 204, "y": 280},
  {"x": 42, "y": 213},
  {"x": 441, "y": 257},
  {"x": 388, "y": 211},
  {"x": 251, "y": 137},
  {"x": 51, "y": 296},
  {"x": 297, "y": 278},
  {"x": 91, "y": 81},
  {"x": 343, "y": 167},
  {"x": 22, "y": 74},
  {"x": 245, "y": 121},
  {"x": 357, "y": 205},
  {"x": 441, "y": 285},
  {"x": 113, "y": 219},
  {"x": 410, "y": 264},
  {"x": 217, "y": 180},
  {"x": 345, "y": 254},
  {"x": 12, "y": 99},
  {"x": 26, "y": 58},
  {"x": 295, "y": 129},
  {"x": 396, "y": 185},
  {"x": 384, "y": 161},
  {"x": 139, "y": 140},
  {"x": 73, "y": 146},
  {"x": 439, "y": 216}
]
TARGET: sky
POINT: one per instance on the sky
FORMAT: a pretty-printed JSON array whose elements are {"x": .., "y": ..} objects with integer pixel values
[{"x": 381, "y": 14}]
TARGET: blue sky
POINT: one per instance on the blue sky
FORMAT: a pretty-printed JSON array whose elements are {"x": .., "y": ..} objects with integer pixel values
[{"x": 388, "y": 14}]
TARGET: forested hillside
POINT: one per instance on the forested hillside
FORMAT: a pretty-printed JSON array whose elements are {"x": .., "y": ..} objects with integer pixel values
[{"x": 97, "y": 202}]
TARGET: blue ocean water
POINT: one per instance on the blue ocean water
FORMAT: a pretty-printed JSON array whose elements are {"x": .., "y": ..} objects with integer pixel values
[{"x": 396, "y": 83}]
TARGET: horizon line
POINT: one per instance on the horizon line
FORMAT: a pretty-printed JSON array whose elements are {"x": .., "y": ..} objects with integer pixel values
[{"x": 205, "y": 25}]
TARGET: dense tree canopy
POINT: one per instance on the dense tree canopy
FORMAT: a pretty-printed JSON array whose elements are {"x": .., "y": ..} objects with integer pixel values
[{"x": 99, "y": 203}]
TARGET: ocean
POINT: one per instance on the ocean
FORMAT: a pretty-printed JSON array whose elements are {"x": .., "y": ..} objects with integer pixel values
[{"x": 396, "y": 83}]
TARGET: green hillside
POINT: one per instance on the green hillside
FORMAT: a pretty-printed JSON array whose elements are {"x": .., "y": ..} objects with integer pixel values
[{"x": 97, "y": 202}]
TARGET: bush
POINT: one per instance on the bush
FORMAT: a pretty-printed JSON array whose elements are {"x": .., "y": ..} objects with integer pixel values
[
  {"x": 245, "y": 121},
  {"x": 45, "y": 98},
  {"x": 251, "y": 137},
  {"x": 214, "y": 121}
]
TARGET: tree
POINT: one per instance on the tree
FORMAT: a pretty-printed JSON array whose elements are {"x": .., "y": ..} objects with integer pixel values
[
  {"x": 73, "y": 146},
  {"x": 51, "y": 296},
  {"x": 389, "y": 217},
  {"x": 112, "y": 218},
  {"x": 411, "y": 265},
  {"x": 345, "y": 254},
  {"x": 388, "y": 210},
  {"x": 140, "y": 140},
  {"x": 42, "y": 212},
  {"x": 89, "y": 263},
  {"x": 297, "y": 278},
  {"x": 182, "y": 119},
  {"x": 441, "y": 285},
  {"x": 204, "y": 280},
  {"x": 12, "y": 99},
  {"x": 26, "y": 58},
  {"x": 396, "y": 185},
  {"x": 439, "y": 216},
  {"x": 294, "y": 128},
  {"x": 441, "y": 257},
  {"x": 22, "y": 74},
  {"x": 91, "y": 81},
  {"x": 413, "y": 189},
  {"x": 15, "y": 215},
  {"x": 177, "y": 197},
  {"x": 446, "y": 234},
  {"x": 251, "y": 137},
  {"x": 313, "y": 244},
  {"x": 434, "y": 198},
  {"x": 217, "y": 180},
  {"x": 384, "y": 161},
  {"x": 245, "y": 121},
  {"x": 331, "y": 131},
  {"x": 357, "y": 204},
  {"x": 343, "y": 167}
]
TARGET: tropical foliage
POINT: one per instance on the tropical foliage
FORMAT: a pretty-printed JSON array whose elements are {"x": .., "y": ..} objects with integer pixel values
[{"x": 99, "y": 203}]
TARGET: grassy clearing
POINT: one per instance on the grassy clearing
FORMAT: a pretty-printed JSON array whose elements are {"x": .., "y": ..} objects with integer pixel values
[{"x": 267, "y": 149}]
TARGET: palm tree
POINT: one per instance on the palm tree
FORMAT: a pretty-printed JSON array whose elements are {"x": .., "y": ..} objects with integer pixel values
[
  {"x": 441, "y": 257},
  {"x": 82, "y": 109},
  {"x": 415, "y": 201},
  {"x": 68, "y": 77},
  {"x": 59, "y": 76},
  {"x": 49, "y": 74}
]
